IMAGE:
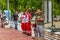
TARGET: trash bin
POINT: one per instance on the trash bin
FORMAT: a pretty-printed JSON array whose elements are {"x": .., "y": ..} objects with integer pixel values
[{"x": 7, "y": 26}]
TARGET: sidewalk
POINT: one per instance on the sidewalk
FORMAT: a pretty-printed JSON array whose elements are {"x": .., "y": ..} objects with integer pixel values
[
  {"x": 12, "y": 34},
  {"x": 57, "y": 24}
]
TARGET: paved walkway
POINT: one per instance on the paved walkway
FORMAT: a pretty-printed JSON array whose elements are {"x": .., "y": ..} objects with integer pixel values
[
  {"x": 57, "y": 24},
  {"x": 12, "y": 34}
]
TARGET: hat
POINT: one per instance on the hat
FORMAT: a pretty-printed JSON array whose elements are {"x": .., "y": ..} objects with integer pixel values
[{"x": 38, "y": 11}]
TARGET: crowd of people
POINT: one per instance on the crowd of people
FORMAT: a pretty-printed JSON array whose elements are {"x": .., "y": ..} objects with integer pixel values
[{"x": 25, "y": 20}]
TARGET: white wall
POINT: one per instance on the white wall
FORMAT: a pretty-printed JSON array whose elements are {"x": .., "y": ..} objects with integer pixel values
[
  {"x": 50, "y": 11},
  {"x": 45, "y": 10}
]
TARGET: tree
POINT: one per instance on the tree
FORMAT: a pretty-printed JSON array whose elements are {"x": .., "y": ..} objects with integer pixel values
[
  {"x": 56, "y": 7},
  {"x": 3, "y": 4},
  {"x": 25, "y": 4}
]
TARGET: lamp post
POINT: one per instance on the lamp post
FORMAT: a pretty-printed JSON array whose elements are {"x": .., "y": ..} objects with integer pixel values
[
  {"x": 8, "y": 7},
  {"x": 53, "y": 26},
  {"x": 52, "y": 12},
  {"x": 47, "y": 11},
  {"x": 8, "y": 4}
]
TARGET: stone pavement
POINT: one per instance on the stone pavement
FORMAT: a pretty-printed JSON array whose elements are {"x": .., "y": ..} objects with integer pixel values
[
  {"x": 12, "y": 34},
  {"x": 57, "y": 24}
]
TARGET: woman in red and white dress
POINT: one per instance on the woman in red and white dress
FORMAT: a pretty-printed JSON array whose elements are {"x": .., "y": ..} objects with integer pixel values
[
  {"x": 28, "y": 23},
  {"x": 23, "y": 22}
]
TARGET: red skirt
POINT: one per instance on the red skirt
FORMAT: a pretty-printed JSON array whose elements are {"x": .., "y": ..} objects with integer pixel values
[
  {"x": 28, "y": 27},
  {"x": 23, "y": 25}
]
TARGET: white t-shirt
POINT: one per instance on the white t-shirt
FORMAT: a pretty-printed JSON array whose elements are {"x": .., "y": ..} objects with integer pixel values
[{"x": 23, "y": 18}]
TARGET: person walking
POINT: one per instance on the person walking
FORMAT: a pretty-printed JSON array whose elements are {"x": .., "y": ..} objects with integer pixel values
[
  {"x": 39, "y": 23},
  {"x": 28, "y": 22},
  {"x": 15, "y": 19},
  {"x": 23, "y": 22}
]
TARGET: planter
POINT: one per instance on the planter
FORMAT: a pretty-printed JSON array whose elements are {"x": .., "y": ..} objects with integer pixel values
[
  {"x": 12, "y": 24},
  {"x": 7, "y": 26},
  {"x": 19, "y": 27}
]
